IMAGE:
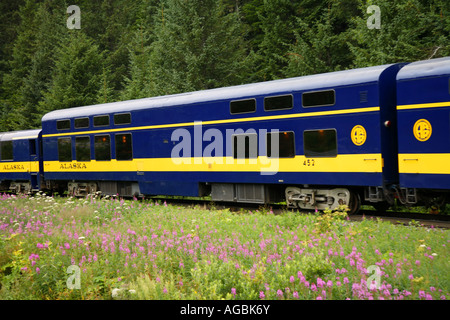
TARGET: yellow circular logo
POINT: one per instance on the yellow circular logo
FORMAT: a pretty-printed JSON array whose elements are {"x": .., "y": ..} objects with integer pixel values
[
  {"x": 422, "y": 130},
  {"x": 358, "y": 135}
]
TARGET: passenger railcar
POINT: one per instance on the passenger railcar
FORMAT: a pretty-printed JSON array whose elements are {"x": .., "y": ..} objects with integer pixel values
[
  {"x": 423, "y": 93},
  {"x": 331, "y": 135},
  {"x": 20, "y": 156}
]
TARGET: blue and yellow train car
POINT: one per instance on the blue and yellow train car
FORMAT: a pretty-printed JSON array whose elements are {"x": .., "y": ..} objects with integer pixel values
[
  {"x": 317, "y": 141},
  {"x": 423, "y": 93},
  {"x": 20, "y": 161}
]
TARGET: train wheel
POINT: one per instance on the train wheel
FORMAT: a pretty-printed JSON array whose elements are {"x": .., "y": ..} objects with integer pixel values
[{"x": 355, "y": 203}]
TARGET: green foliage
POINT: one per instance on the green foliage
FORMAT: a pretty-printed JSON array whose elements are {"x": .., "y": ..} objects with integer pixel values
[
  {"x": 77, "y": 74},
  {"x": 329, "y": 220},
  {"x": 134, "y": 49},
  {"x": 145, "y": 250},
  {"x": 203, "y": 51}
]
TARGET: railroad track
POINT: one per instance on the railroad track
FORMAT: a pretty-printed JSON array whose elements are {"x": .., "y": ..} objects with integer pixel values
[{"x": 405, "y": 218}]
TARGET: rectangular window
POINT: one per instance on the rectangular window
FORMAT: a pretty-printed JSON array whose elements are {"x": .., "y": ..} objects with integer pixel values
[
  {"x": 100, "y": 121},
  {"x": 102, "y": 146},
  {"x": 63, "y": 124},
  {"x": 245, "y": 146},
  {"x": 122, "y": 118},
  {"x": 32, "y": 144},
  {"x": 320, "y": 143},
  {"x": 278, "y": 102},
  {"x": 318, "y": 98},
  {"x": 7, "y": 150},
  {"x": 286, "y": 144},
  {"x": 81, "y": 123},
  {"x": 65, "y": 149},
  {"x": 83, "y": 148},
  {"x": 243, "y": 106},
  {"x": 124, "y": 149}
]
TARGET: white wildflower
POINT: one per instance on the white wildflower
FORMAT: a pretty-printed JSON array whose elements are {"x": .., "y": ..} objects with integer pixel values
[{"x": 116, "y": 293}]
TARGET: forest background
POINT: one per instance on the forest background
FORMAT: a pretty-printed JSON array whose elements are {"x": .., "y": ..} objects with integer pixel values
[{"x": 129, "y": 49}]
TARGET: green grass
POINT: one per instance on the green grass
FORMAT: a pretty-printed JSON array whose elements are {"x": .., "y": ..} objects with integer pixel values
[{"x": 147, "y": 250}]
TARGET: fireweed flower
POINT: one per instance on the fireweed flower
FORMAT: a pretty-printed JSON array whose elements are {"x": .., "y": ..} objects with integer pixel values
[
  {"x": 262, "y": 295},
  {"x": 233, "y": 291}
]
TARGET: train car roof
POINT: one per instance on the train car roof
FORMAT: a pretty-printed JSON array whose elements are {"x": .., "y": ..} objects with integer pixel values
[
  {"x": 425, "y": 68},
  {"x": 311, "y": 82},
  {"x": 18, "y": 135}
]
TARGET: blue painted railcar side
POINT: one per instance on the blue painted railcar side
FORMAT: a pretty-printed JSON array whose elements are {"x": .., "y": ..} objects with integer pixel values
[
  {"x": 424, "y": 124},
  {"x": 21, "y": 160},
  {"x": 363, "y": 97}
]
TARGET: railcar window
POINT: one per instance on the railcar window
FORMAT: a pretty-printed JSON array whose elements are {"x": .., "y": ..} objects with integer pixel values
[
  {"x": 286, "y": 144},
  {"x": 102, "y": 148},
  {"x": 122, "y": 118},
  {"x": 83, "y": 148},
  {"x": 245, "y": 146},
  {"x": 63, "y": 124},
  {"x": 32, "y": 144},
  {"x": 243, "y": 106},
  {"x": 278, "y": 102},
  {"x": 65, "y": 149},
  {"x": 320, "y": 143},
  {"x": 81, "y": 123},
  {"x": 7, "y": 150},
  {"x": 124, "y": 149},
  {"x": 318, "y": 98},
  {"x": 100, "y": 121}
]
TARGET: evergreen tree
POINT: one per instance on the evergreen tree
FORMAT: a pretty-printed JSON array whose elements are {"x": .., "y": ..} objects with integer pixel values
[
  {"x": 276, "y": 23},
  {"x": 322, "y": 42},
  {"x": 110, "y": 24},
  {"x": 19, "y": 66},
  {"x": 198, "y": 46},
  {"x": 139, "y": 83},
  {"x": 410, "y": 30},
  {"x": 132, "y": 49},
  {"x": 77, "y": 74},
  {"x": 49, "y": 31}
]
